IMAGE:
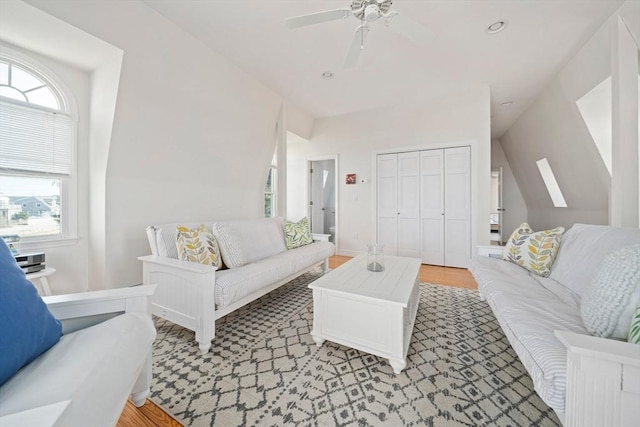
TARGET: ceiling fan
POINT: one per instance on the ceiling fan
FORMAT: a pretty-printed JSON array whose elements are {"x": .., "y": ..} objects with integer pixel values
[{"x": 366, "y": 11}]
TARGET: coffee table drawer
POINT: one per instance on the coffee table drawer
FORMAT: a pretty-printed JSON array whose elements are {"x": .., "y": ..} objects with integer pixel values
[{"x": 354, "y": 322}]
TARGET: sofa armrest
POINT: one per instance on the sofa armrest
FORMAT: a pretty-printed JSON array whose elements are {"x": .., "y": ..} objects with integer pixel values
[
  {"x": 603, "y": 381},
  {"x": 185, "y": 294},
  {"x": 600, "y": 348},
  {"x": 43, "y": 416},
  {"x": 192, "y": 267},
  {"x": 78, "y": 311},
  {"x": 491, "y": 251},
  {"x": 319, "y": 237}
]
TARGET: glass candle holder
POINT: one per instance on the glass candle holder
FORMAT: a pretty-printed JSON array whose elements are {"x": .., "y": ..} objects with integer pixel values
[{"x": 375, "y": 257}]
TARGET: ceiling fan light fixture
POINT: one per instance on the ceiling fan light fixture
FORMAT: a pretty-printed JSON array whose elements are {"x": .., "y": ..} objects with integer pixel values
[
  {"x": 371, "y": 12},
  {"x": 496, "y": 27}
]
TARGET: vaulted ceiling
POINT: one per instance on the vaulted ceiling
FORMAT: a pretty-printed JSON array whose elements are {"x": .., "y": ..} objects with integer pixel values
[{"x": 456, "y": 53}]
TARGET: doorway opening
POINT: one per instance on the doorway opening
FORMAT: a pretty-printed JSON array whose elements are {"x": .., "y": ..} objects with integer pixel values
[
  {"x": 496, "y": 220},
  {"x": 323, "y": 198}
]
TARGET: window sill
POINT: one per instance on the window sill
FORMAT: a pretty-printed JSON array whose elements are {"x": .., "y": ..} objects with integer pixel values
[{"x": 34, "y": 245}]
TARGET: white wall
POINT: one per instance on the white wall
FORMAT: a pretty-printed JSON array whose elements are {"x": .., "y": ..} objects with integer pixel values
[
  {"x": 460, "y": 119},
  {"x": 554, "y": 128},
  {"x": 515, "y": 208},
  {"x": 625, "y": 189},
  {"x": 185, "y": 123}
]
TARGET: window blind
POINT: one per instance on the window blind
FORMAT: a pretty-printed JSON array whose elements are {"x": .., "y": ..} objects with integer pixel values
[{"x": 34, "y": 140}]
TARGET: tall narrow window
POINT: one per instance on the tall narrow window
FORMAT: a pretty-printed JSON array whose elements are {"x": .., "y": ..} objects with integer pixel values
[
  {"x": 552, "y": 185},
  {"x": 36, "y": 154},
  {"x": 270, "y": 188}
]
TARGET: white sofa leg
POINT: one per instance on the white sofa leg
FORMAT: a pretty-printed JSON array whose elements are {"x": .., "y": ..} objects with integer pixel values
[
  {"x": 204, "y": 336},
  {"x": 141, "y": 389},
  {"x": 204, "y": 346}
]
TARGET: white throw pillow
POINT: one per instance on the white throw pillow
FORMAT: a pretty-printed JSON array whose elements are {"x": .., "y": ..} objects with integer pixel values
[
  {"x": 245, "y": 241},
  {"x": 610, "y": 301}
]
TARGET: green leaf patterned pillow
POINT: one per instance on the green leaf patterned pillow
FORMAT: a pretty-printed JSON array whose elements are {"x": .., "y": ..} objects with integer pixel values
[
  {"x": 297, "y": 234},
  {"x": 634, "y": 331},
  {"x": 533, "y": 250},
  {"x": 198, "y": 245}
]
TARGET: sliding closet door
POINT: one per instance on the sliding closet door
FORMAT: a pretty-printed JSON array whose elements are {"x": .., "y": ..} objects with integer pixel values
[
  {"x": 432, "y": 206},
  {"x": 457, "y": 206},
  {"x": 409, "y": 204},
  {"x": 387, "y": 177}
]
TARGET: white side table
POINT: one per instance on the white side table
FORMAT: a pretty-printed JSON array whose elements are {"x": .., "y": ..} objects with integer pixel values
[{"x": 42, "y": 275}]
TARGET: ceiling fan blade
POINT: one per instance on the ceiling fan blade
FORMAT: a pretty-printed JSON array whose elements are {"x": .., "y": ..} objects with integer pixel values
[
  {"x": 317, "y": 18},
  {"x": 357, "y": 44},
  {"x": 410, "y": 29}
]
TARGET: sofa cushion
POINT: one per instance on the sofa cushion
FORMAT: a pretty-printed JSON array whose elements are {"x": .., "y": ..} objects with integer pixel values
[
  {"x": 534, "y": 251},
  {"x": 529, "y": 324},
  {"x": 95, "y": 368},
  {"x": 305, "y": 256},
  {"x": 27, "y": 327},
  {"x": 297, "y": 234},
  {"x": 234, "y": 284},
  {"x": 495, "y": 275},
  {"x": 583, "y": 248},
  {"x": 529, "y": 309},
  {"x": 610, "y": 301},
  {"x": 198, "y": 245},
  {"x": 245, "y": 241}
]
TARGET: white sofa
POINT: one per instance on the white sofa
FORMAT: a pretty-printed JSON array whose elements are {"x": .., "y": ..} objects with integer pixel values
[
  {"x": 588, "y": 381},
  {"x": 194, "y": 295},
  {"x": 103, "y": 357}
]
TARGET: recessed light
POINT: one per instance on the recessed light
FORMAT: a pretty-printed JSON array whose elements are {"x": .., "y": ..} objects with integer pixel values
[
  {"x": 496, "y": 27},
  {"x": 327, "y": 75},
  {"x": 506, "y": 104}
]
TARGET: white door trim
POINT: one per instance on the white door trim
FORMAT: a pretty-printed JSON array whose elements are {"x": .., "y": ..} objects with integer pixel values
[{"x": 307, "y": 194}]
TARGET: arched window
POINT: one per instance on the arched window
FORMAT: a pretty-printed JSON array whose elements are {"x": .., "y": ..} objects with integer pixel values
[
  {"x": 37, "y": 144},
  {"x": 19, "y": 84}
]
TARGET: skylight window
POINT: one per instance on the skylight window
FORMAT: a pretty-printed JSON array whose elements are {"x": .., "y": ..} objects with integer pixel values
[
  {"x": 595, "y": 108},
  {"x": 552, "y": 185}
]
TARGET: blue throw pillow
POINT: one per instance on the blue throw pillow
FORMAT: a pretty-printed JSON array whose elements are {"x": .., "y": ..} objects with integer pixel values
[{"x": 27, "y": 327}]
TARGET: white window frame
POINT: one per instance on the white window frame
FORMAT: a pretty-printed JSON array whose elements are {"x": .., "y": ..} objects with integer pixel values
[
  {"x": 68, "y": 184},
  {"x": 274, "y": 185}
]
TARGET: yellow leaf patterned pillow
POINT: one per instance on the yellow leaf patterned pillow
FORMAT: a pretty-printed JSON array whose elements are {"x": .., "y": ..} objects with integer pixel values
[
  {"x": 533, "y": 250},
  {"x": 198, "y": 245}
]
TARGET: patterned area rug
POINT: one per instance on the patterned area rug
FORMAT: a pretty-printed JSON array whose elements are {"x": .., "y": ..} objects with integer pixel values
[{"x": 265, "y": 370}]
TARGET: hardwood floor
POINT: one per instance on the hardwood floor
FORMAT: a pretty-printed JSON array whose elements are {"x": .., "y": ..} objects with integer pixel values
[
  {"x": 459, "y": 277},
  {"x": 152, "y": 415},
  {"x": 148, "y": 415}
]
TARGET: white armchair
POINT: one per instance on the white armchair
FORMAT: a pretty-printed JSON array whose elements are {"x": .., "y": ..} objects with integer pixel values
[{"x": 103, "y": 357}]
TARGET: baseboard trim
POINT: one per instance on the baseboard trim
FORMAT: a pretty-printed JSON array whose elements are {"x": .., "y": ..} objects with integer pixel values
[{"x": 345, "y": 252}]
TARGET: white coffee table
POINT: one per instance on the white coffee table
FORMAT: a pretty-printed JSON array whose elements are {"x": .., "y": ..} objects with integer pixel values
[{"x": 368, "y": 311}]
